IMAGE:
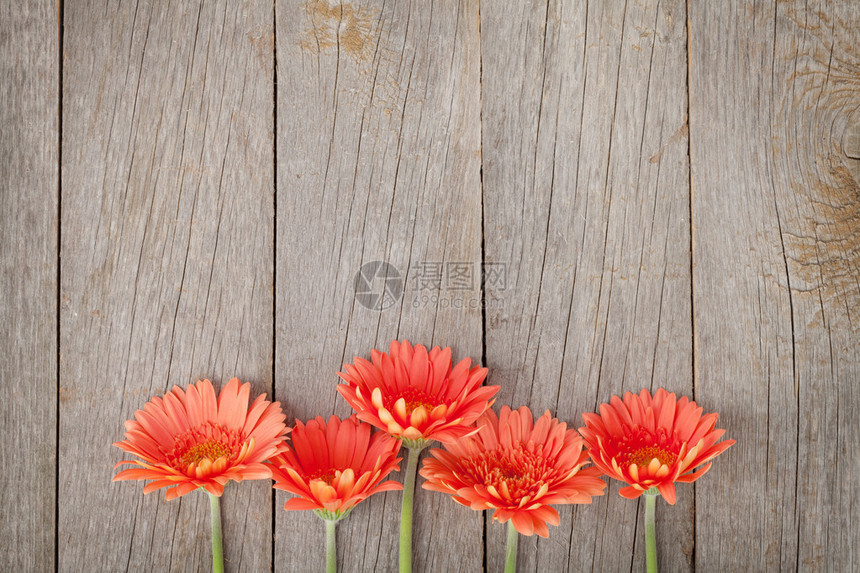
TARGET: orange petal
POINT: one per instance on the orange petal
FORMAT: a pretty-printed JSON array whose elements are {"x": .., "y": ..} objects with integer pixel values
[
  {"x": 693, "y": 476},
  {"x": 667, "y": 490},
  {"x": 630, "y": 492}
]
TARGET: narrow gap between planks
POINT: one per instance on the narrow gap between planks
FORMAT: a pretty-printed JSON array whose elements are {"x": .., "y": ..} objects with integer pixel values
[
  {"x": 483, "y": 292},
  {"x": 692, "y": 252},
  {"x": 60, "y": 33},
  {"x": 274, "y": 238}
]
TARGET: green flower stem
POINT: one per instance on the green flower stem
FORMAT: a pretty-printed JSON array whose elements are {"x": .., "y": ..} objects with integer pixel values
[
  {"x": 330, "y": 547},
  {"x": 511, "y": 549},
  {"x": 217, "y": 546},
  {"x": 406, "y": 510},
  {"x": 650, "y": 534}
]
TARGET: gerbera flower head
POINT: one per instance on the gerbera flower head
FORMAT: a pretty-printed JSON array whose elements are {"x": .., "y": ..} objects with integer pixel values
[
  {"x": 652, "y": 442},
  {"x": 190, "y": 439},
  {"x": 332, "y": 467},
  {"x": 416, "y": 395},
  {"x": 517, "y": 467}
]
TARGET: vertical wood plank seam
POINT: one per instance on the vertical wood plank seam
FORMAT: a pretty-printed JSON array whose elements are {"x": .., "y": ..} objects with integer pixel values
[
  {"x": 482, "y": 285},
  {"x": 334, "y": 102},
  {"x": 793, "y": 377},
  {"x": 767, "y": 444},
  {"x": 582, "y": 240},
  {"x": 653, "y": 217},
  {"x": 173, "y": 536},
  {"x": 772, "y": 81},
  {"x": 59, "y": 283},
  {"x": 692, "y": 254},
  {"x": 185, "y": 89},
  {"x": 397, "y": 172},
  {"x": 607, "y": 189},
  {"x": 131, "y": 145},
  {"x": 576, "y": 182},
  {"x": 798, "y": 517},
  {"x": 549, "y": 202},
  {"x": 60, "y": 32},
  {"x": 533, "y": 321},
  {"x": 635, "y": 530},
  {"x": 642, "y": 248},
  {"x": 274, "y": 241}
]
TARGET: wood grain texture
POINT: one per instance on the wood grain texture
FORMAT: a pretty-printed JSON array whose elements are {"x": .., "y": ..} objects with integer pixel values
[
  {"x": 29, "y": 76},
  {"x": 773, "y": 89},
  {"x": 586, "y": 193},
  {"x": 167, "y": 244},
  {"x": 378, "y": 114},
  {"x": 547, "y": 141}
]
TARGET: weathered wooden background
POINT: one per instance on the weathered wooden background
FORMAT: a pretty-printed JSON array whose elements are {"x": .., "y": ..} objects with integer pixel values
[{"x": 661, "y": 193}]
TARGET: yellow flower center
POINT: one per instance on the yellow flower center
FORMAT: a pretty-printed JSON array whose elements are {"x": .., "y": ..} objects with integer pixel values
[
  {"x": 643, "y": 456},
  {"x": 207, "y": 441},
  {"x": 519, "y": 472},
  {"x": 324, "y": 475},
  {"x": 414, "y": 398},
  {"x": 211, "y": 449}
]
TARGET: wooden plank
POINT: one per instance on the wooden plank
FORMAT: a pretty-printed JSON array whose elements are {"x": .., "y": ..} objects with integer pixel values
[
  {"x": 773, "y": 90},
  {"x": 378, "y": 123},
  {"x": 29, "y": 75},
  {"x": 167, "y": 245},
  {"x": 586, "y": 201}
]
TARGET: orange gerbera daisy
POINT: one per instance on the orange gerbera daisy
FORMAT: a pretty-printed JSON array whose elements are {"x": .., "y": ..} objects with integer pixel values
[
  {"x": 652, "y": 442},
  {"x": 332, "y": 467},
  {"x": 416, "y": 395},
  {"x": 189, "y": 439},
  {"x": 516, "y": 467}
]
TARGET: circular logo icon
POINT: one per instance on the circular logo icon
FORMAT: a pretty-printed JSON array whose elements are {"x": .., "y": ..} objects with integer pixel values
[{"x": 378, "y": 285}]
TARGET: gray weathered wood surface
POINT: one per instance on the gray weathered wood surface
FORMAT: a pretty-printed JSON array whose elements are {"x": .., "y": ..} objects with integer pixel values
[
  {"x": 776, "y": 232},
  {"x": 661, "y": 194},
  {"x": 378, "y": 155},
  {"x": 585, "y": 152},
  {"x": 166, "y": 267},
  {"x": 29, "y": 131}
]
